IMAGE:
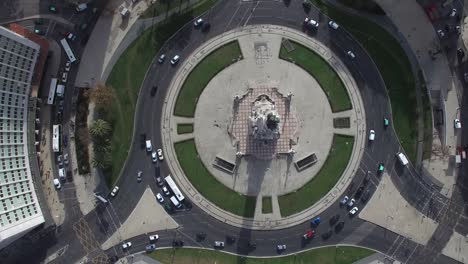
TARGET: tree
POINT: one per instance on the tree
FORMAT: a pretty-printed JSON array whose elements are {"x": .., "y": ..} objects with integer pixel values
[
  {"x": 100, "y": 129},
  {"x": 102, "y": 160},
  {"x": 102, "y": 96}
]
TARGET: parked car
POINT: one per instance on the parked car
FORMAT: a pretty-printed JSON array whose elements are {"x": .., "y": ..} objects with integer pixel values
[
  {"x": 160, "y": 198},
  {"x": 71, "y": 36},
  {"x": 308, "y": 235},
  {"x": 310, "y": 23},
  {"x": 205, "y": 27},
  {"x": 365, "y": 196},
  {"x": 306, "y": 5},
  {"x": 334, "y": 219},
  {"x": 218, "y": 244},
  {"x": 165, "y": 191},
  {"x": 65, "y": 159},
  {"x": 371, "y": 135},
  {"x": 457, "y": 123},
  {"x": 114, "y": 191},
  {"x": 139, "y": 174},
  {"x": 367, "y": 178},
  {"x": 60, "y": 160},
  {"x": 315, "y": 222},
  {"x": 230, "y": 239},
  {"x": 453, "y": 12},
  {"x": 198, "y": 22},
  {"x": 441, "y": 33},
  {"x": 159, "y": 181},
  {"x": 150, "y": 248},
  {"x": 57, "y": 184},
  {"x": 162, "y": 58},
  {"x": 344, "y": 200},
  {"x": 67, "y": 66},
  {"x": 200, "y": 236},
  {"x": 154, "y": 157},
  {"x": 327, "y": 235},
  {"x": 333, "y": 24},
  {"x": 351, "y": 202},
  {"x": 281, "y": 247},
  {"x": 64, "y": 77},
  {"x": 175, "y": 60},
  {"x": 160, "y": 154},
  {"x": 339, "y": 226},
  {"x": 353, "y": 211},
  {"x": 177, "y": 243},
  {"x": 153, "y": 238},
  {"x": 359, "y": 192},
  {"x": 381, "y": 168},
  {"x": 465, "y": 77},
  {"x": 126, "y": 245},
  {"x": 53, "y": 9}
]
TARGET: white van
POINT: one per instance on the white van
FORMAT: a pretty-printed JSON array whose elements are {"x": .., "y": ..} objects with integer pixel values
[
  {"x": 62, "y": 174},
  {"x": 149, "y": 147},
  {"x": 402, "y": 158},
  {"x": 175, "y": 202}
]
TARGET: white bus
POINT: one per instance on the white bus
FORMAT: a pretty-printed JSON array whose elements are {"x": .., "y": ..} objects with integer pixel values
[
  {"x": 174, "y": 188},
  {"x": 53, "y": 86},
  {"x": 56, "y": 138},
  {"x": 68, "y": 51}
]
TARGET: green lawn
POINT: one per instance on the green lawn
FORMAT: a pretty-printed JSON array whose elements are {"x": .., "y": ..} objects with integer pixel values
[
  {"x": 316, "y": 66},
  {"x": 326, "y": 255},
  {"x": 126, "y": 78},
  {"x": 158, "y": 8},
  {"x": 207, "y": 184},
  {"x": 394, "y": 67},
  {"x": 267, "y": 206},
  {"x": 325, "y": 179},
  {"x": 184, "y": 128},
  {"x": 202, "y": 74}
]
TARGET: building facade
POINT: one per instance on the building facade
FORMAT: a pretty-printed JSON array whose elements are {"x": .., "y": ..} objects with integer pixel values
[{"x": 19, "y": 207}]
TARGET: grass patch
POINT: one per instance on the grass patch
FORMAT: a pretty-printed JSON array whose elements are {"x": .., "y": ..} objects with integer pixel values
[
  {"x": 184, "y": 128},
  {"x": 394, "y": 66},
  {"x": 202, "y": 74},
  {"x": 325, "y": 179},
  {"x": 326, "y": 255},
  {"x": 427, "y": 118},
  {"x": 316, "y": 66},
  {"x": 157, "y": 8},
  {"x": 267, "y": 206},
  {"x": 207, "y": 184},
  {"x": 127, "y": 76}
]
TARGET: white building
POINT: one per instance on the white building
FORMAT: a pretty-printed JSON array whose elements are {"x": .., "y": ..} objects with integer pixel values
[{"x": 19, "y": 208}]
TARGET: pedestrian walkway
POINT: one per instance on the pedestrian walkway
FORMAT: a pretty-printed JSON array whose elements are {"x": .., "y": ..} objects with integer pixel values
[
  {"x": 169, "y": 126},
  {"x": 377, "y": 258}
]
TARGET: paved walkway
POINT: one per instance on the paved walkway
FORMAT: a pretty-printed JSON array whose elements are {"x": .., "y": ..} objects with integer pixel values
[{"x": 169, "y": 124}]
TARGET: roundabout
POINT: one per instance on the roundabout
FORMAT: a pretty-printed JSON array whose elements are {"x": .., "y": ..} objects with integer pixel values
[{"x": 247, "y": 160}]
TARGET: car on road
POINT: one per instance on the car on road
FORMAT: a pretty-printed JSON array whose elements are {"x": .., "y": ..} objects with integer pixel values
[
  {"x": 281, "y": 247},
  {"x": 310, "y": 23},
  {"x": 339, "y": 226},
  {"x": 460, "y": 53},
  {"x": 175, "y": 60},
  {"x": 177, "y": 243},
  {"x": 218, "y": 244},
  {"x": 165, "y": 191},
  {"x": 160, "y": 154},
  {"x": 64, "y": 77},
  {"x": 251, "y": 245},
  {"x": 154, "y": 89},
  {"x": 126, "y": 245},
  {"x": 453, "y": 12},
  {"x": 115, "y": 191},
  {"x": 334, "y": 219},
  {"x": 168, "y": 207},
  {"x": 139, "y": 174},
  {"x": 65, "y": 159},
  {"x": 351, "y": 55},
  {"x": 60, "y": 160},
  {"x": 198, "y": 22},
  {"x": 367, "y": 178},
  {"x": 142, "y": 140},
  {"x": 386, "y": 122},
  {"x": 160, "y": 198},
  {"x": 333, "y": 24},
  {"x": 327, "y": 235},
  {"x": 344, "y": 200},
  {"x": 57, "y": 183},
  {"x": 153, "y": 238},
  {"x": 200, "y": 236},
  {"x": 358, "y": 193},
  {"x": 150, "y": 248},
  {"x": 365, "y": 196},
  {"x": 154, "y": 156},
  {"x": 465, "y": 77},
  {"x": 230, "y": 239},
  {"x": 351, "y": 202},
  {"x": 353, "y": 211},
  {"x": 39, "y": 31},
  {"x": 315, "y": 222},
  {"x": 441, "y": 33},
  {"x": 53, "y": 9},
  {"x": 308, "y": 235},
  {"x": 162, "y": 58},
  {"x": 306, "y": 5},
  {"x": 381, "y": 168},
  {"x": 159, "y": 181},
  {"x": 67, "y": 66},
  {"x": 457, "y": 123},
  {"x": 71, "y": 36},
  {"x": 205, "y": 27},
  {"x": 371, "y": 135}
]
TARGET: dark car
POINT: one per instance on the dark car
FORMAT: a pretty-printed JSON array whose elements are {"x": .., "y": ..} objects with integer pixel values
[
  {"x": 200, "y": 236},
  {"x": 142, "y": 141},
  {"x": 339, "y": 226},
  {"x": 327, "y": 235},
  {"x": 53, "y": 9},
  {"x": 177, "y": 243},
  {"x": 169, "y": 208},
  {"x": 366, "y": 179},
  {"x": 206, "y": 27},
  {"x": 359, "y": 192},
  {"x": 460, "y": 53},
  {"x": 366, "y": 196},
  {"x": 306, "y": 5},
  {"x": 154, "y": 89},
  {"x": 251, "y": 245},
  {"x": 334, "y": 219},
  {"x": 187, "y": 204},
  {"x": 230, "y": 239}
]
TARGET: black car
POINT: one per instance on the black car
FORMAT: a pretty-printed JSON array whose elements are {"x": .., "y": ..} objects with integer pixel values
[
  {"x": 339, "y": 226},
  {"x": 460, "y": 53},
  {"x": 169, "y": 208},
  {"x": 251, "y": 245},
  {"x": 142, "y": 141},
  {"x": 334, "y": 219},
  {"x": 200, "y": 236},
  {"x": 154, "y": 89},
  {"x": 365, "y": 197},
  {"x": 359, "y": 192},
  {"x": 327, "y": 235},
  {"x": 230, "y": 239},
  {"x": 205, "y": 27},
  {"x": 306, "y": 5},
  {"x": 187, "y": 204},
  {"x": 177, "y": 243}
]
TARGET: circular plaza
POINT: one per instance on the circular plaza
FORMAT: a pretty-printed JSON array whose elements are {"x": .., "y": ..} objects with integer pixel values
[{"x": 263, "y": 127}]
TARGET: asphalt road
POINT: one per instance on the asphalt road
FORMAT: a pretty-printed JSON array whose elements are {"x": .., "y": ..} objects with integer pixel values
[{"x": 104, "y": 220}]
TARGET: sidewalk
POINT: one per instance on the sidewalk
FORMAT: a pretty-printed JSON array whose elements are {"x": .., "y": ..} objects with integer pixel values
[{"x": 169, "y": 125}]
